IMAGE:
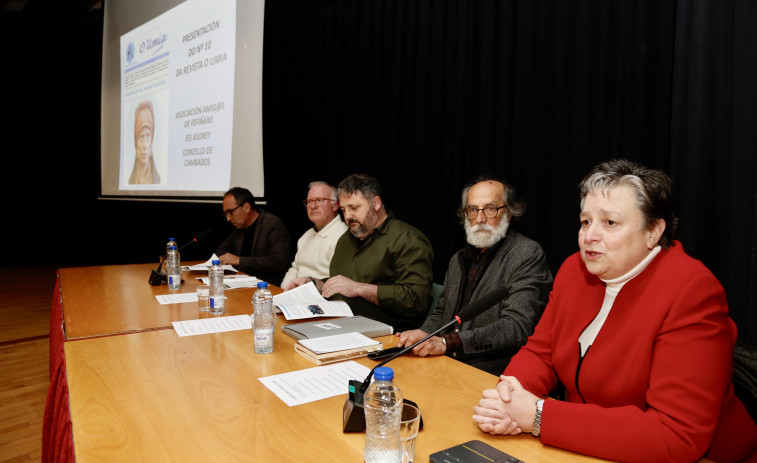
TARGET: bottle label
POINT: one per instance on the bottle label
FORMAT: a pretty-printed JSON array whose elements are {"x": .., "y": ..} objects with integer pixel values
[
  {"x": 263, "y": 337},
  {"x": 216, "y": 302},
  {"x": 263, "y": 341}
]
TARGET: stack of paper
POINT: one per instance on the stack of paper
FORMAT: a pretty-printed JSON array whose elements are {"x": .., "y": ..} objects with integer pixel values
[
  {"x": 234, "y": 281},
  {"x": 204, "y": 267}
]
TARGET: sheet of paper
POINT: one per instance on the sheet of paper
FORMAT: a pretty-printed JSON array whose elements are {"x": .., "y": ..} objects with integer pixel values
[
  {"x": 305, "y": 294},
  {"x": 320, "y": 309},
  {"x": 177, "y": 298},
  {"x": 204, "y": 267},
  {"x": 234, "y": 281},
  {"x": 337, "y": 342},
  {"x": 304, "y": 386},
  {"x": 212, "y": 325}
]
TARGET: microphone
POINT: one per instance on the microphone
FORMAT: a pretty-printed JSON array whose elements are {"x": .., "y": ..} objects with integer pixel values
[
  {"x": 353, "y": 415},
  {"x": 202, "y": 235},
  {"x": 480, "y": 305},
  {"x": 157, "y": 277}
]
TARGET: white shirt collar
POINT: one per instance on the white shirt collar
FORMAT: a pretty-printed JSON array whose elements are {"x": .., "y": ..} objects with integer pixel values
[
  {"x": 621, "y": 280},
  {"x": 329, "y": 226}
]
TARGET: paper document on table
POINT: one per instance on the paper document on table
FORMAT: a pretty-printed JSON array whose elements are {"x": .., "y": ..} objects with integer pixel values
[
  {"x": 305, "y": 294},
  {"x": 321, "y": 309},
  {"x": 234, "y": 281},
  {"x": 243, "y": 282},
  {"x": 212, "y": 325},
  {"x": 337, "y": 342},
  {"x": 304, "y": 386},
  {"x": 177, "y": 298},
  {"x": 306, "y": 302},
  {"x": 204, "y": 267}
]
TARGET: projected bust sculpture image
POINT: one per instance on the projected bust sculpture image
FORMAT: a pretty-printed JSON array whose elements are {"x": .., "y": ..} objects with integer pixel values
[{"x": 144, "y": 171}]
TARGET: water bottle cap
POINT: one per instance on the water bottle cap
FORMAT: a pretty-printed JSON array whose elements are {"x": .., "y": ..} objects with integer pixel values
[
  {"x": 171, "y": 239},
  {"x": 383, "y": 374},
  {"x": 216, "y": 262},
  {"x": 262, "y": 284}
]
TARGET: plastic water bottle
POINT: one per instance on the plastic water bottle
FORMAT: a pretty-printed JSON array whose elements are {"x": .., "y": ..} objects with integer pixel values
[
  {"x": 263, "y": 320},
  {"x": 217, "y": 299},
  {"x": 173, "y": 268},
  {"x": 383, "y": 413},
  {"x": 171, "y": 242}
]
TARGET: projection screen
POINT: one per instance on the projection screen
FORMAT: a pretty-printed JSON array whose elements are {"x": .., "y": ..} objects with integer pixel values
[{"x": 181, "y": 111}]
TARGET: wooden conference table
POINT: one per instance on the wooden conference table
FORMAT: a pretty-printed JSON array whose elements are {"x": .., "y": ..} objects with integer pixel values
[
  {"x": 117, "y": 299},
  {"x": 150, "y": 395}
]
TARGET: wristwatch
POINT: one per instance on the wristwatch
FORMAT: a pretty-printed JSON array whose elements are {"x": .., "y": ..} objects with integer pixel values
[{"x": 536, "y": 430}]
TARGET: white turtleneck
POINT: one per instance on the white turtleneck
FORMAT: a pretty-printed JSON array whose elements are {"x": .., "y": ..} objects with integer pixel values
[{"x": 612, "y": 288}]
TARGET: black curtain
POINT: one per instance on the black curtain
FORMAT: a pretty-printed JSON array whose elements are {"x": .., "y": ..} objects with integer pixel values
[
  {"x": 713, "y": 155},
  {"x": 428, "y": 94}
]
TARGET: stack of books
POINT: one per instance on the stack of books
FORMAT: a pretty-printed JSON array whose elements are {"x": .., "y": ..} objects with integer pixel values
[{"x": 337, "y": 348}]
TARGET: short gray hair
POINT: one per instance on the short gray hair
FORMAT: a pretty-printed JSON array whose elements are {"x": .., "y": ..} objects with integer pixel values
[
  {"x": 653, "y": 189},
  {"x": 319, "y": 183}
]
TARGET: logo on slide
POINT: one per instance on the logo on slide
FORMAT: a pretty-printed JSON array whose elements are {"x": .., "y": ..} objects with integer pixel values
[{"x": 130, "y": 52}]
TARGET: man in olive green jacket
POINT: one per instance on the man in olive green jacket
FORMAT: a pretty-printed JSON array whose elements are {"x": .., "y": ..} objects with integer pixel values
[{"x": 382, "y": 267}]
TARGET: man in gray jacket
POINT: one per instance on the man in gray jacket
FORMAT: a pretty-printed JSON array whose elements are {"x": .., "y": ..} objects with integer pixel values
[{"x": 494, "y": 257}]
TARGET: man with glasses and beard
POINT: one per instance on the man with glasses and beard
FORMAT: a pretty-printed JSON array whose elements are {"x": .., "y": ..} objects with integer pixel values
[
  {"x": 494, "y": 257},
  {"x": 382, "y": 267}
]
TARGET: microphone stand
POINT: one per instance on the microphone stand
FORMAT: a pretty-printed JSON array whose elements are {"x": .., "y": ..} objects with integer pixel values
[
  {"x": 353, "y": 415},
  {"x": 406, "y": 349},
  {"x": 157, "y": 277}
]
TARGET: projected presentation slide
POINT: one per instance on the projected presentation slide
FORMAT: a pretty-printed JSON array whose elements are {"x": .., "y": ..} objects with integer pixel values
[{"x": 177, "y": 99}]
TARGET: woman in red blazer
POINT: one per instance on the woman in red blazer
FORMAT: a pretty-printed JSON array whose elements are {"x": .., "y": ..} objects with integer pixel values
[{"x": 639, "y": 335}]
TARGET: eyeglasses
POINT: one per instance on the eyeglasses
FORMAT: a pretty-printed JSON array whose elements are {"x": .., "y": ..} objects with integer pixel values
[
  {"x": 318, "y": 201},
  {"x": 228, "y": 213},
  {"x": 490, "y": 211}
]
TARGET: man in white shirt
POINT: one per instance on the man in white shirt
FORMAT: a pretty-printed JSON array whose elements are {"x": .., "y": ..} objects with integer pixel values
[{"x": 316, "y": 246}]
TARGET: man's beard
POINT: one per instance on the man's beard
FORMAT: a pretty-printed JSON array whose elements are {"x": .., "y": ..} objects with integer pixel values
[
  {"x": 484, "y": 235},
  {"x": 363, "y": 229}
]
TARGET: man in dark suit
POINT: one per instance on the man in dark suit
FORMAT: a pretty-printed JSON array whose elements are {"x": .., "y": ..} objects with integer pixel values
[{"x": 259, "y": 245}]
